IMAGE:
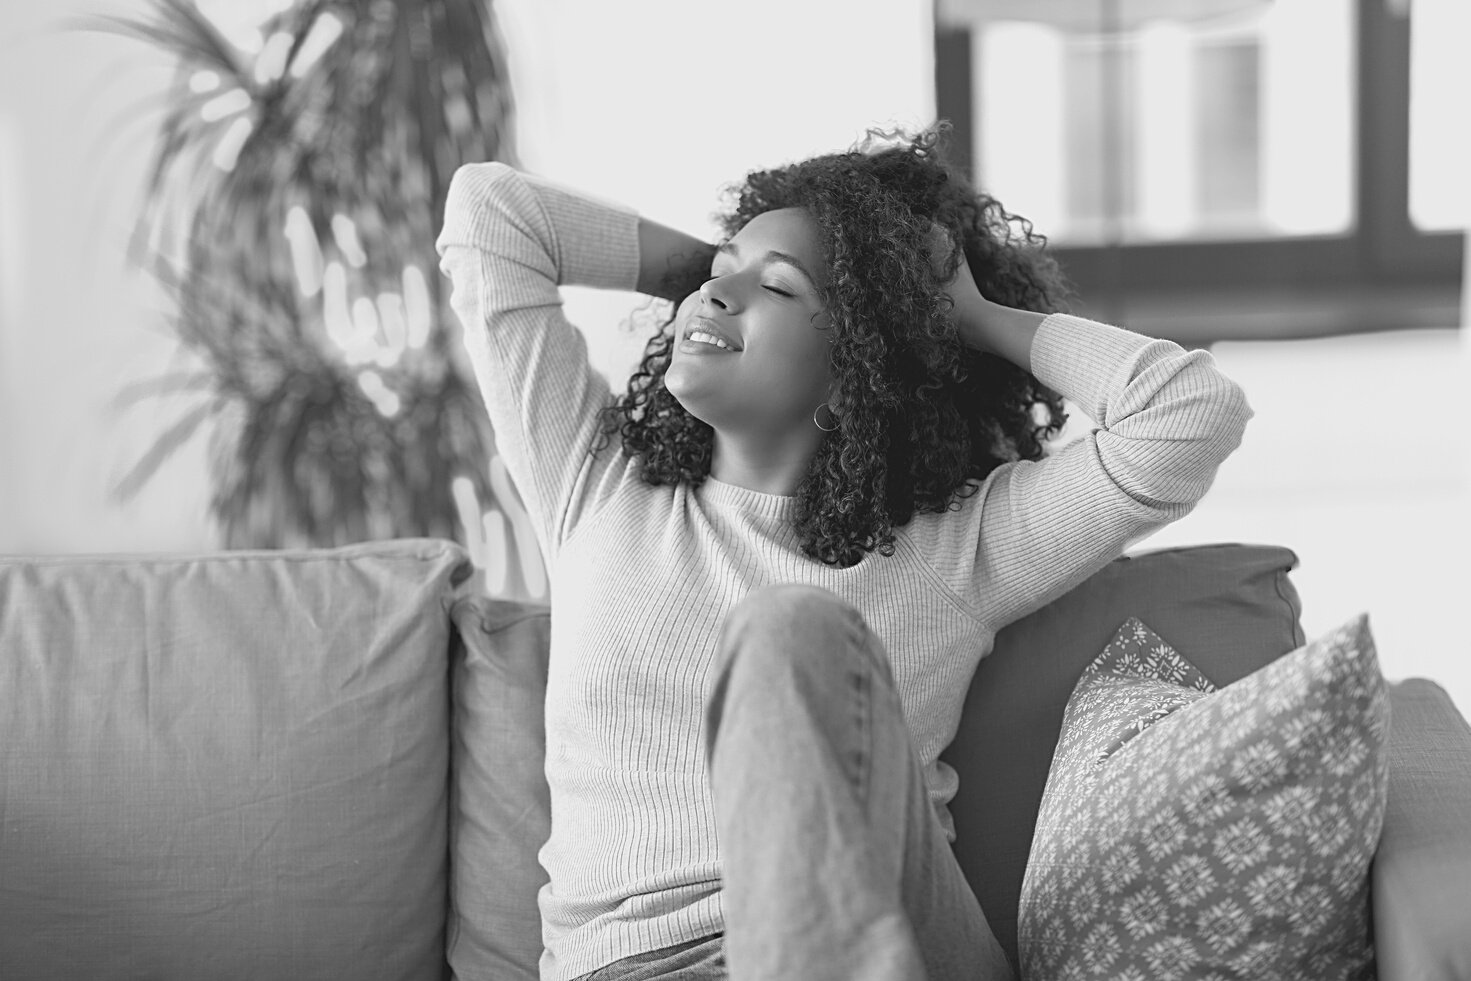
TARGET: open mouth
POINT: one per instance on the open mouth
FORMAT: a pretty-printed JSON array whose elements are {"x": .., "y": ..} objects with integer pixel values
[
  {"x": 702, "y": 333},
  {"x": 705, "y": 337}
]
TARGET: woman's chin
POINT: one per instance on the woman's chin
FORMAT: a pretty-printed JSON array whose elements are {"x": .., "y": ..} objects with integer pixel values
[
  {"x": 678, "y": 380},
  {"x": 686, "y": 392}
]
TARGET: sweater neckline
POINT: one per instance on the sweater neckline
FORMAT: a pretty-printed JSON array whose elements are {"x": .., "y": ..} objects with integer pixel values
[{"x": 721, "y": 494}]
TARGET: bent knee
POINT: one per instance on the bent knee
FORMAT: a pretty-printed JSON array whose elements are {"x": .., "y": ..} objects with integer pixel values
[
  {"x": 781, "y": 606},
  {"x": 789, "y": 625}
]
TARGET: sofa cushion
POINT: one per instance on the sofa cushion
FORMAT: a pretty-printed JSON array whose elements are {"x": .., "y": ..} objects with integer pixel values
[
  {"x": 1422, "y": 900},
  {"x": 500, "y": 809},
  {"x": 1231, "y": 606},
  {"x": 226, "y": 766},
  {"x": 1187, "y": 834}
]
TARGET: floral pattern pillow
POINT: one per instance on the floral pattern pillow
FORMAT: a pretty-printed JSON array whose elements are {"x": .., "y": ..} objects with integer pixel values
[{"x": 1193, "y": 833}]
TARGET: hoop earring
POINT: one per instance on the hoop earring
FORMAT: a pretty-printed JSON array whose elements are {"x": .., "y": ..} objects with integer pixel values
[{"x": 826, "y": 429}]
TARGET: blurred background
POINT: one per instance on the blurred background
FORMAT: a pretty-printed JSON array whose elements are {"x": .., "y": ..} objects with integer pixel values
[{"x": 222, "y": 323}]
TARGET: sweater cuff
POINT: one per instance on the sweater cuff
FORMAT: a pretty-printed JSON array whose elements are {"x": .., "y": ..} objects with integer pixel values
[{"x": 1085, "y": 361}]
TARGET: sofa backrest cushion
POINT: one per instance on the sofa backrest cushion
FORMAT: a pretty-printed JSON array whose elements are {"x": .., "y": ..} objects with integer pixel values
[
  {"x": 500, "y": 807},
  {"x": 1231, "y": 606},
  {"x": 1422, "y": 872},
  {"x": 226, "y": 766}
]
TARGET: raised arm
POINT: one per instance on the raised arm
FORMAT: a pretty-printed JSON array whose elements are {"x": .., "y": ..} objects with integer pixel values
[
  {"x": 1166, "y": 419},
  {"x": 509, "y": 241}
]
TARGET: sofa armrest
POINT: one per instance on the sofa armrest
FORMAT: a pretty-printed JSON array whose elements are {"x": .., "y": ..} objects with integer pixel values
[{"x": 1422, "y": 870}]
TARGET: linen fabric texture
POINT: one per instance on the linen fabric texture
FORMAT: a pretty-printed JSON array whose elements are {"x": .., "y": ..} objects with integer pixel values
[
  {"x": 1190, "y": 834},
  {"x": 1422, "y": 871},
  {"x": 500, "y": 807},
  {"x": 189, "y": 787}
]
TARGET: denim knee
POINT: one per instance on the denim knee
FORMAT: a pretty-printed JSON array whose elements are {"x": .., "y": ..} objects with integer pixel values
[{"x": 789, "y": 626}]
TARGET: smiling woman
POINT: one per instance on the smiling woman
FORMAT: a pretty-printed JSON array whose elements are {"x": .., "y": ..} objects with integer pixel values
[
  {"x": 856, "y": 390},
  {"x": 826, "y": 494}
]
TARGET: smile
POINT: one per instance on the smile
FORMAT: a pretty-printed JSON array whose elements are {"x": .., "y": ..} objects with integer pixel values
[{"x": 704, "y": 337}]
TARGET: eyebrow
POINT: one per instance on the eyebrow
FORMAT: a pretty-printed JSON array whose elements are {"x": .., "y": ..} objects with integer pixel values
[{"x": 772, "y": 255}]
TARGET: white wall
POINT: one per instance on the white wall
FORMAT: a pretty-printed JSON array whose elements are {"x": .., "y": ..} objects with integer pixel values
[{"x": 75, "y": 322}]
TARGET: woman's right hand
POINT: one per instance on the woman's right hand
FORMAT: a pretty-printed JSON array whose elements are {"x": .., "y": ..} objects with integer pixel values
[{"x": 668, "y": 260}]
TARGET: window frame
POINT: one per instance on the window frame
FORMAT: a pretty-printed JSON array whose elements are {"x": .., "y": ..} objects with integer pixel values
[{"x": 1383, "y": 273}]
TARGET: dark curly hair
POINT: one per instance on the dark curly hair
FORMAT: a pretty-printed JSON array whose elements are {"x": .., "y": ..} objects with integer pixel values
[{"x": 922, "y": 417}]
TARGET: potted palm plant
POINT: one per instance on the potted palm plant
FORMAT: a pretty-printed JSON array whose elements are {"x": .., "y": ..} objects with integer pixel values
[{"x": 291, "y": 212}]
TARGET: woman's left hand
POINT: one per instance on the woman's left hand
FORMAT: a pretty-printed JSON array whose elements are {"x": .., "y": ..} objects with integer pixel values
[
  {"x": 969, "y": 305},
  {"x": 986, "y": 326}
]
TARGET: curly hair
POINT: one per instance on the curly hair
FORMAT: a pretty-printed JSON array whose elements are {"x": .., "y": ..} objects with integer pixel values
[{"x": 922, "y": 417}]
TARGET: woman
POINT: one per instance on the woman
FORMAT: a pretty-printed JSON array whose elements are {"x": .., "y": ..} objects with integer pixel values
[{"x": 825, "y": 496}]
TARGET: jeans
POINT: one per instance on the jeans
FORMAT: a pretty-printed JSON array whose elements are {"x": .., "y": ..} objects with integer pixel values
[{"x": 834, "y": 864}]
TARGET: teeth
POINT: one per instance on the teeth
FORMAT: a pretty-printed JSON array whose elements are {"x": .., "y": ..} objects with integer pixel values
[{"x": 707, "y": 338}]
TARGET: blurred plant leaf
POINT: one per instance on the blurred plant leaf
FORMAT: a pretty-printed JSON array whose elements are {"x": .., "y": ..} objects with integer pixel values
[
  {"x": 164, "y": 447},
  {"x": 332, "y": 162},
  {"x": 136, "y": 392}
]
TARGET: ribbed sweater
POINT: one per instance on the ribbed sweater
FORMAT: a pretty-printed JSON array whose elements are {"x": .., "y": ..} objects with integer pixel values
[{"x": 642, "y": 576}]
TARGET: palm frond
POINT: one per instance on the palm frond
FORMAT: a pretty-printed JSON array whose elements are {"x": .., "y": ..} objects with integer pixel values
[
  {"x": 171, "y": 384},
  {"x": 177, "y": 27},
  {"x": 164, "y": 447}
]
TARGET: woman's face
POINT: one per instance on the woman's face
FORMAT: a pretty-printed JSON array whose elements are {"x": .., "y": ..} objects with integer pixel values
[{"x": 770, "y": 367}]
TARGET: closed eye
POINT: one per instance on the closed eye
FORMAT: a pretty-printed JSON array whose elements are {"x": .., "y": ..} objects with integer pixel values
[{"x": 780, "y": 292}]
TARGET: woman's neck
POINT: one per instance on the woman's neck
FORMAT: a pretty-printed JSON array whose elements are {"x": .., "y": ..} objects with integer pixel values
[{"x": 763, "y": 464}]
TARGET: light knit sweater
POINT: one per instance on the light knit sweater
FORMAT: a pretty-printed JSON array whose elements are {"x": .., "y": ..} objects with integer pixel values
[{"x": 641, "y": 576}]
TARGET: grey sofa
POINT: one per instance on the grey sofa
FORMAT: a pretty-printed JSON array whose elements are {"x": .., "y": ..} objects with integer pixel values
[{"x": 327, "y": 764}]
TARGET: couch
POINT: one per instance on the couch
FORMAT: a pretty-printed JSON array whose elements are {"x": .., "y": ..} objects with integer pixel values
[{"x": 326, "y": 763}]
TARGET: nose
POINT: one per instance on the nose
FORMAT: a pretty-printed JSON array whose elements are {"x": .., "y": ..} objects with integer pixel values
[{"x": 718, "y": 292}]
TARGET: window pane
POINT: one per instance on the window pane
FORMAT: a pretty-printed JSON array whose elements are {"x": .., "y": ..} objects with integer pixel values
[
  {"x": 1440, "y": 136},
  {"x": 1215, "y": 127}
]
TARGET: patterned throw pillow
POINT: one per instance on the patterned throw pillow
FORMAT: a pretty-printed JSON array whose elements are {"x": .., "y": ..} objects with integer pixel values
[{"x": 1191, "y": 833}]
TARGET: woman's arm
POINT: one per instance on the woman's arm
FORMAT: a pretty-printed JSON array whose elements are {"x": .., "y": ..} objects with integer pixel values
[
  {"x": 1165, "y": 419},
  {"x": 509, "y": 241},
  {"x": 668, "y": 258}
]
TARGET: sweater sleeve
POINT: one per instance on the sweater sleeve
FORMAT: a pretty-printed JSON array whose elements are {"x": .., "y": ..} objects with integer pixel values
[
  {"x": 509, "y": 241},
  {"x": 1166, "y": 419}
]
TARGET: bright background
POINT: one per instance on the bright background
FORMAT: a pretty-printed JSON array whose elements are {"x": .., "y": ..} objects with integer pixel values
[{"x": 1358, "y": 458}]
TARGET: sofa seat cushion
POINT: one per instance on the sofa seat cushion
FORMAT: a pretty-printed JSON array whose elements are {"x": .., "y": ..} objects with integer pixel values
[
  {"x": 1193, "y": 834},
  {"x": 226, "y": 766}
]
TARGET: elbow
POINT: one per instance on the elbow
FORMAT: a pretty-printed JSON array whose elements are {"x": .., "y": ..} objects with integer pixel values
[
  {"x": 1220, "y": 434},
  {"x": 1169, "y": 476},
  {"x": 476, "y": 181},
  {"x": 1233, "y": 413},
  {"x": 478, "y": 194}
]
